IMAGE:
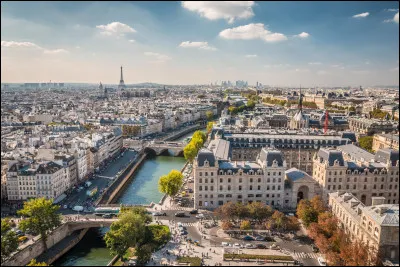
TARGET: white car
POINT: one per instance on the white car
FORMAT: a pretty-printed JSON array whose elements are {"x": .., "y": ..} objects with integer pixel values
[
  {"x": 200, "y": 216},
  {"x": 321, "y": 261},
  {"x": 180, "y": 224},
  {"x": 237, "y": 245},
  {"x": 225, "y": 244}
]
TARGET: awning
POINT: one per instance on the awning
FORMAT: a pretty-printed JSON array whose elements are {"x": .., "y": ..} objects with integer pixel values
[{"x": 60, "y": 198}]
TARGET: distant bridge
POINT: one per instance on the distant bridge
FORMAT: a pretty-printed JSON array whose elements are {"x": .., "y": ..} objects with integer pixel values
[
  {"x": 161, "y": 147},
  {"x": 83, "y": 223}
]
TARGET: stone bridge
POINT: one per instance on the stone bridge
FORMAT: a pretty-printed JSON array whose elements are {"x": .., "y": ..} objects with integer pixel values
[
  {"x": 171, "y": 148},
  {"x": 84, "y": 223}
]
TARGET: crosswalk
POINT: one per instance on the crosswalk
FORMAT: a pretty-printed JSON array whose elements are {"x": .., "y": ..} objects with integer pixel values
[
  {"x": 305, "y": 255},
  {"x": 179, "y": 208}
]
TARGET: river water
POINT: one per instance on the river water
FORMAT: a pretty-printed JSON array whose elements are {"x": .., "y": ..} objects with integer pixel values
[{"x": 143, "y": 189}]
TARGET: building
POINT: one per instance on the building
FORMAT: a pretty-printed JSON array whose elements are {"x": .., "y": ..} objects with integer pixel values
[
  {"x": 364, "y": 126},
  {"x": 352, "y": 169},
  {"x": 376, "y": 225},
  {"x": 383, "y": 140},
  {"x": 218, "y": 180},
  {"x": 297, "y": 148}
]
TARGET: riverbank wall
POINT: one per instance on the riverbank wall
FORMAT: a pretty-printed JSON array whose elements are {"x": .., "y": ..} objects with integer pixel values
[{"x": 125, "y": 177}]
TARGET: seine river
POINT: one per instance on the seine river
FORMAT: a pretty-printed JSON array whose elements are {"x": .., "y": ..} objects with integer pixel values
[{"x": 143, "y": 189}]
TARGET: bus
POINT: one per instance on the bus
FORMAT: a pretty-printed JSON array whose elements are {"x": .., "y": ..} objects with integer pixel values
[{"x": 102, "y": 210}]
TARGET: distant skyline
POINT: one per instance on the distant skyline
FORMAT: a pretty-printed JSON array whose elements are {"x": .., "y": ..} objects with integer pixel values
[{"x": 274, "y": 43}]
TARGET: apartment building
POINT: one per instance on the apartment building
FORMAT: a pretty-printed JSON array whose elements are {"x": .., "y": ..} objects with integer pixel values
[
  {"x": 383, "y": 140},
  {"x": 376, "y": 225},
  {"x": 351, "y": 169},
  {"x": 218, "y": 180}
]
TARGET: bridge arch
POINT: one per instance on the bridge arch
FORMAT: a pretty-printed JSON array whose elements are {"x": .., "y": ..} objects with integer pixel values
[{"x": 150, "y": 152}]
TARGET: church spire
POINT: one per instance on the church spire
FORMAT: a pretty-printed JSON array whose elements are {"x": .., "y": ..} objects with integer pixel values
[{"x": 300, "y": 100}]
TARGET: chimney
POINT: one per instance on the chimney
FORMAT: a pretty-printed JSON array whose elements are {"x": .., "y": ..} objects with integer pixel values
[{"x": 378, "y": 201}]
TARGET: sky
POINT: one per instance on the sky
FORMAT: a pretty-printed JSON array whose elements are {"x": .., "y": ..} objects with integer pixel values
[{"x": 274, "y": 43}]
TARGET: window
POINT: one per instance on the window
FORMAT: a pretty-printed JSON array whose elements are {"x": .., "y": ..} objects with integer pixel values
[
  {"x": 206, "y": 180},
  {"x": 220, "y": 187},
  {"x": 200, "y": 203},
  {"x": 200, "y": 174},
  {"x": 268, "y": 180},
  {"x": 329, "y": 180},
  {"x": 383, "y": 179},
  {"x": 339, "y": 187},
  {"x": 355, "y": 179},
  {"x": 239, "y": 196},
  {"x": 374, "y": 186},
  {"x": 212, "y": 180},
  {"x": 273, "y": 187},
  {"x": 365, "y": 179},
  {"x": 212, "y": 174},
  {"x": 251, "y": 187},
  {"x": 229, "y": 187},
  {"x": 267, "y": 187},
  {"x": 365, "y": 187},
  {"x": 200, "y": 181},
  {"x": 251, "y": 180},
  {"x": 212, "y": 188},
  {"x": 381, "y": 186},
  {"x": 259, "y": 187},
  {"x": 347, "y": 187},
  {"x": 268, "y": 173},
  {"x": 206, "y": 174},
  {"x": 229, "y": 180},
  {"x": 329, "y": 187},
  {"x": 258, "y": 195},
  {"x": 279, "y": 187},
  {"x": 259, "y": 180},
  {"x": 240, "y": 188},
  {"x": 274, "y": 173},
  {"x": 354, "y": 186},
  {"x": 221, "y": 180},
  {"x": 200, "y": 188}
]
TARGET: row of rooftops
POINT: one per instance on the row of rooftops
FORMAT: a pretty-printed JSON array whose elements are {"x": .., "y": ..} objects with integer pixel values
[{"x": 29, "y": 168}]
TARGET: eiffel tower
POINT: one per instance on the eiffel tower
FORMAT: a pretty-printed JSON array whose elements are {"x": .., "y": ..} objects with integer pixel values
[{"x": 121, "y": 83}]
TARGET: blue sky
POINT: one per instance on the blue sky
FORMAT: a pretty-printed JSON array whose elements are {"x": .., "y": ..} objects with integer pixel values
[{"x": 275, "y": 43}]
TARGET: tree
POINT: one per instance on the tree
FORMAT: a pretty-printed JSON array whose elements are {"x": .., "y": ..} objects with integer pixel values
[
  {"x": 306, "y": 212},
  {"x": 317, "y": 204},
  {"x": 201, "y": 136},
  {"x": 226, "y": 225},
  {"x": 209, "y": 115},
  {"x": 251, "y": 104},
  {"x": 366, "y": 142},
  {"x": 245, "y": 225},
  {"x": 141, "y": 211},
  {"x": 33, "y": 262},
  {"x": 280, "y": 220},
  {"x": 41, "y": 217},
  {"x": 128, "y": 231},
  {"x": 9, "y": 240},
  {"x": 190, "y": 152},
  {"x": 259, "y": 211},
  {"x": 242, "y": 211},
  {"x": 170, "y": 183},
  {"x": 143, "y": 253},
  {"x": 210, "y": 125}
]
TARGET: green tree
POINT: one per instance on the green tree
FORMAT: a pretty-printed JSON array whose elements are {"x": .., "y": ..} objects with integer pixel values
[
  {"x": 209, "y": 115},
  {"x": 41, "y": 217},
  {"x": 366, "y": 142},
  {"x": 251, "y": 104},
  {"x": 143, "y": 253},
  {"x": 306, "y": 212},
  {"x": 259, "y": 211},
  {"x": 190, "y": 152},
  {"x": 210, "y": 125},
  {"x": 245, "y": 225},
  {"x": 233, "y": 110},
  {"x": 170, "y": 183},
  {"x": 141, "y": 211},
  {"x": 128, "y": 231},
  {"x": 33, "y": 262},
  {"x": 200, "y": 135},
  {"x": 9, "y": 239}
]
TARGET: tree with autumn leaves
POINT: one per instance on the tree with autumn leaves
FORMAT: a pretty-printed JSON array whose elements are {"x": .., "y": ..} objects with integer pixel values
[{"x": 331, "y": 240}]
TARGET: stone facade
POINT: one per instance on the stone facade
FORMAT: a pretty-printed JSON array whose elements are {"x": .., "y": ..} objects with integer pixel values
[
  {"x": 385, "y": 140},
  {"x": 364, "y": 126},
  {"x": 376, "y": 225}
]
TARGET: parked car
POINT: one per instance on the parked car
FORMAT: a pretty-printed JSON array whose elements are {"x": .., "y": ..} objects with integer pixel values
[
  {"x": 22, "y": 238},
  {"x": 107, "y": 216},
  {"x": 159, "y": 213},
  {"x": 249, "y": 246},
  {"x": 180, "y": 214},
  {"x": 248, "y": 238},
  {"x": 260, "y": 238},
  {"x": 193, "y": 211},
  {"x": 225, "y": 244},
  {"x": 236, "y": 245},
  {"x": 314, "y": 248},
  {"x": 200, "y": 216},
  {"x": 321, "y": 261},
  {"x": 261, "y": 246}
]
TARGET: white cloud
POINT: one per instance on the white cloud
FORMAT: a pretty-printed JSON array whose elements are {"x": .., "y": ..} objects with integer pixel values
[
  {"x": 395, "y": 19},
  {"x": 314, "y": 63},
  {"x": 115, "y": 28},
  {"x": 252, "y": 31},
  {"x": 250, "y": 56},
  {"x": 303, "y": 35},
  {"x": 158, "y": 57},
  {"x": 392, "y": 9},
  {"x": 55, "y": 51},
  {"x": 339, "y": 66},
  {"x": 302, "y": 70},
  {"x": 361, "y": 15},
  {"x": 13, "y": 44},
  {"x": 77, "y": 47},
  {"x": 199, "y": 45},
  {"x": 395, "y": 69},
  {"x": 228, "y": 10},
  {"x": 131, "y": 41}
]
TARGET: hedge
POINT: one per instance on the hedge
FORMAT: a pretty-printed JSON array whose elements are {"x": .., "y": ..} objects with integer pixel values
[
  {"x": 260, "y": 257},
  {"x": 194, "y": 261}
]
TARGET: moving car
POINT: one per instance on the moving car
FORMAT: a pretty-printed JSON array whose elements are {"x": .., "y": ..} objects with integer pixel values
[
  {"x": 159, "y": 213},
  {"x": 249, "y": 246},
  {"x": 274, "y": 247},
  {"x": 193, "y": 211},
  {"x": 180, "y": 214},
  {"x": 107, "y": 216},
  {"x": 77, "y": 208},
  {"x": 22, "y": 239},
  {"x": 225, "y": 244},
  {"x": 321, "y": 261},
  {"x": 200, "y": 216},
  {"x": 314, "y": 248}
]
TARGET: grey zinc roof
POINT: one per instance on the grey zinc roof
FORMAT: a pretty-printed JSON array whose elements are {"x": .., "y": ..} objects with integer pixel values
[
  {"x": 331, "y": 155},
  {"x": 295, "y": 174},
  {"x": 385, "y": 154},
  {"x": 221, "y": 148},
  {"x": 203, "y": 155},
  {"x": 356, "y": 153},
  {"x": 269, "y": 155},
  {"x": 390, "y": 216}
]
